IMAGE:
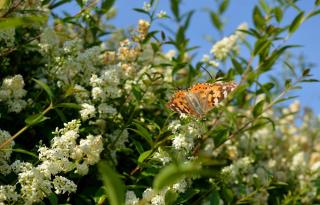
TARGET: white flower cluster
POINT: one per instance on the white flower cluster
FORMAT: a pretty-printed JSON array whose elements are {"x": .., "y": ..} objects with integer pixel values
[
  {"x": 288, "y": 154},
  {"x": 64, "y": 156},
  {"x": 7, "y": 37},
  {"x": 184, "y": 135},
  {"x": 11, "y": 92},
  {"x": 5, "y": 153},
  {"x": 222, "y": 48},
  {"x": 150, "y": 196}
]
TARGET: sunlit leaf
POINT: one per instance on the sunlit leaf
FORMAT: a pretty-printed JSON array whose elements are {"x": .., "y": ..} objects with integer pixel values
[
  {"x": 113, "y": 185},
  {"x": 296, "y": 22}
]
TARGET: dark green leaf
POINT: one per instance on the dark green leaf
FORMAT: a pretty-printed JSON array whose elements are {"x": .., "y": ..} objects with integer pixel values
[
  {"x": 310, "y": 80},
  {"x": 214, "y": 198},
  {"x": 278, "y": 14},
  {"x": 258, "y": 108},
  {"x": 223, "y": 6},
  {"x": 45, "y": 87},
  {"x": 107, "y": 5},
  {"x": 113, "y": 185},
  {"x": 215, "y": 20},
  {"x": 258, "y": 18},
  {"x": 227, "y": 195},
  {"x": 69, "y": 105},
  {"x": 296, "y": 22},
  {"x": 143, "y": 132},
  {"x": 140, "y": 10},
  {"x": 174, "y": 5},
  {"x": 237, "y": 66},
  {"x": 53, "y": 199}
]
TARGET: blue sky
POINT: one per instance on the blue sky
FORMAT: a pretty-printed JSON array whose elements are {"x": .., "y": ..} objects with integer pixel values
[{"x": 238, "y": 12}]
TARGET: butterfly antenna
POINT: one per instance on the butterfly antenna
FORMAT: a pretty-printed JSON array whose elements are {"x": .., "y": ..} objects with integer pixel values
[{"x": 207, "y": 71}]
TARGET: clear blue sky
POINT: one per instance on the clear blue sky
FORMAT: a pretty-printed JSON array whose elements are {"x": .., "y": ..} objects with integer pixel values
[{"x": 238, "y": 12}]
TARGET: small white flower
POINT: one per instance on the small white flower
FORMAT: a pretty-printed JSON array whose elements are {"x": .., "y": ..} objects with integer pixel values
[
  {"x": 146, "y": 6},
  {"x": 131, "y": 198},
  {"x": 162, "y": 14},
  {"x": 88, "y": 111},
  {"x": 63, "y": 185}
]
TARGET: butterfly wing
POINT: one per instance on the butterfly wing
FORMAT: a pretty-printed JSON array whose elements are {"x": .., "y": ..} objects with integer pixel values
[
  {"x": 180, "y": 104},
  {"x": 218, "y": 92}
]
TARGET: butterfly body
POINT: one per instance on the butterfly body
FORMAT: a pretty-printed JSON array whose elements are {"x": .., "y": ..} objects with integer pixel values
[{"x": 200, "y": 98}]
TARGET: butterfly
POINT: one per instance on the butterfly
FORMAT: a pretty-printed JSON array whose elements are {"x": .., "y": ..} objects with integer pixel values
[{"x": 199, "y": 99}]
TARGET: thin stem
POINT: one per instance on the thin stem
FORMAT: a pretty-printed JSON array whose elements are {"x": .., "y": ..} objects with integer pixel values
[{"x": 6, "y": 142}]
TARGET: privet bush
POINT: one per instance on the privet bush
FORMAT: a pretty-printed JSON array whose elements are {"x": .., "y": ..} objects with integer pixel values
[{"x": 84, "y": 116}]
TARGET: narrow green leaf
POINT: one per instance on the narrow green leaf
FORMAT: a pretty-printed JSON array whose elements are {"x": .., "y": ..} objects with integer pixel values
[
  {"x": 140, "y": 10},
  {"x": 174, "y": 172},
  {"x": 69, "y": 105},
  {"x": 215, "y": 20},
  {"x": 19, "y": 21},
  {"x": 113, "y": 185},
  {"x": 278, "y": 14},
  {"x": 144, "y": 155},
  {"x": 296, "y": 22},
  {"x": 258, "y": 18},
  {"x": 260, "y": 46},
  {"x": 143, "y": 132},
  {"x": 24, "y": 152},
  {"x": 174, "y": 5},
  {"x": 258, "y": 108},
  {"x": 45, "y": 87},
  {"x": 223, "y": 6},
  {"x": 237, "y": 66},
  {"x": 35, "y": 119}
]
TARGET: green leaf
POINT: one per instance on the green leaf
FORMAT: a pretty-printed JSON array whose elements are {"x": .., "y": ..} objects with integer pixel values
[
  {"x": 45, "y": 87},
  {"x": 140, "y": 10},
  {"x": 215, "y": 20},
  {"x": 113, "y": 185},
  {"x": 170, "y": 197},
  {"x": 143, "y": 132},
  {"x": 14, "y": 22},
  {"x": 53, "y": 199},
  {"x": 317, "y": 2},
  {"x": 237, "y": 66},
  {"x": 174, "y": 5},
  {"x": 144, "y": 155},
  {"x": 261, "y": 45},
  {"x": 227, "y": 195},
  {"x": 174, "y": 172},
  {"x": 278, "y": 14},
  {"x": 296, "y": 22},
  {"x": 214, "y": 198},
  {"x": 223, "y": 6},
  {"x": 258, "y": 108},
  {"x": 107, "y": 5},
  {"x": 258, "y": 18},
  {"x": 35, "y": 119},
  {"x": 24, "y": 152},
  {"x": 69, "y": 105}
]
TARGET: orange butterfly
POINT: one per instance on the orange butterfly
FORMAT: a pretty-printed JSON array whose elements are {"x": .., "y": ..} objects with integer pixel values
[{"x": 200, "y": 98}]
